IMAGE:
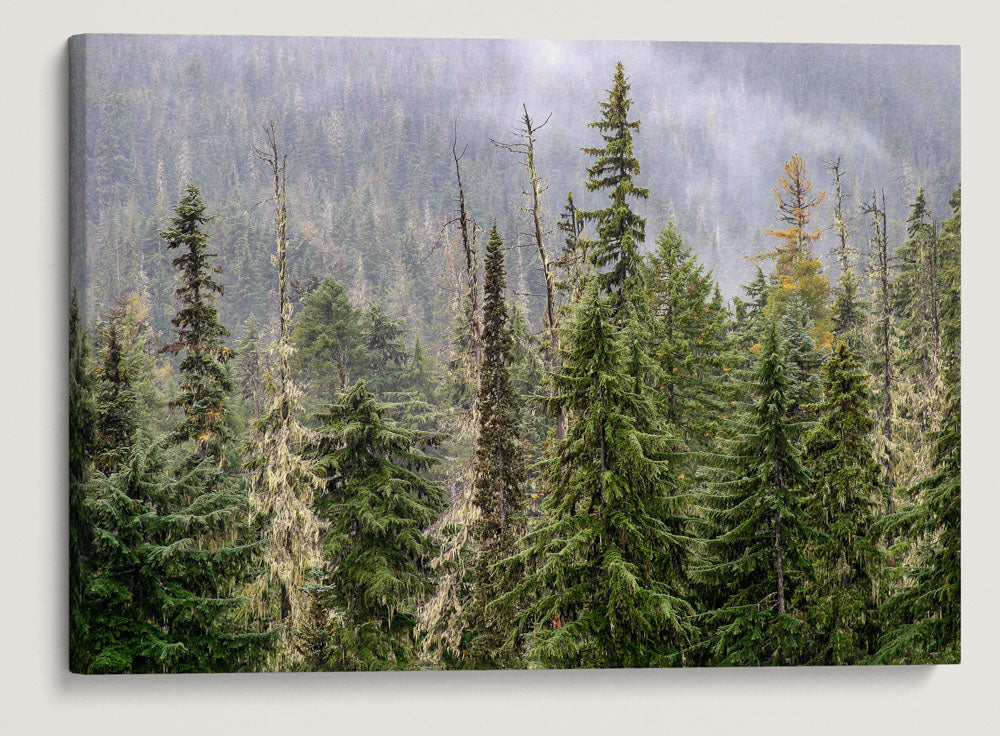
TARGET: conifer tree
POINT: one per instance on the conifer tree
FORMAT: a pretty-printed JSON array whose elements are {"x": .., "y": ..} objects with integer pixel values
[
  {"x": 600, "y": 582},
  {"x": 620, "y": 232},
  {"x": 755, "y": 528},
  {"x": 847, "y": 312},
  {"x": 282, "y": 483},
  {"x": 499, "y": 463},
  {"x": 118, "y": 413},
  {"x": 845, "y": 501},
  {"x": 574, "y": 259},
  {"x": 156, "y": 594},
  {"x": 82, "y": 437},
  {"x": 376, "y": 504},
  {"x": 796, "y": 266},
  {"x": 922, "y": 622},
  {"x": 327, "y": 339},
  {"x": 205, "y": 381},
  {"x": 804, "y": 360},
  {"x": 692, "y": 345}
]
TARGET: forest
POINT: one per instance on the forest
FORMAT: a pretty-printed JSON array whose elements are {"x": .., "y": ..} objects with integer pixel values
[{"x": 450, "y": 404}]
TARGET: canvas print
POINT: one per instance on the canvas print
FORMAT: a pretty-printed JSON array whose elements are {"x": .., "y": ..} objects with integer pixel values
[{"x": 416, "y": 354}]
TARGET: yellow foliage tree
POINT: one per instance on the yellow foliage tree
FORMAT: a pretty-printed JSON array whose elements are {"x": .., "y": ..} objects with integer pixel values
[{"x": 797, "y": 267}]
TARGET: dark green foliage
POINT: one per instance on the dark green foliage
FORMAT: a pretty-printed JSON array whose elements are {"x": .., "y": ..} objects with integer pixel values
[
  {"x": 848, "y": 313},
  {"x": 755, "y": 528},
  {"x": 803, "y": 358},
  {"x": 376, "y": 504},
  {"x": 604, "y": 571},
  {"x": 82, "y": 438},
  {"x": 205, "y": 381},
  {"x": 118, "y": 413},
  {"x": 620, "y": 231},
  {"x": 845, "y": 501},
  {"x": 692, "y": 342},
  {"x": 328, "y": 340},
  {"x": 498, "y": 490},
  {"x": 157, "y": 597}
]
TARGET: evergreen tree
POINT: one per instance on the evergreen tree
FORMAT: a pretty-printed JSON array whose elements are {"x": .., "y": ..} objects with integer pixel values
[
  {"x": 845, "y": 501},
  {"x": 118, "y": 413},
  {"x": 205, "y": 381},
  {"x": 804, "y": 360},
  {"x": 692, "y": 345},
  {"x": 620, "y": 231},
  {"x": 328, "y": 339},
  {"x": 382, "y": 337},
  {"x": 376, "y": 505},
  {"x": 82, "y": 438},
  {"x": 499, "y": 463},
  {"x": 755, "y": 528},
  {"x": 252, "y": 367},
  {"x": 600, "y": 582},
  {"x": 156, "y": 592},
  {"x": 923, "y": 620}
]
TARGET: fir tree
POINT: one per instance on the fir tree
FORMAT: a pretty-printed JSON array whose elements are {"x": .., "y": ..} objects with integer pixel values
[
  {"x": 804, "y": 360},
  {"x": 845, "y": 501},
  {"x": 620, "y": 231},
  {"x": 82, "y": 438},
  {"x": 376, "y": 505},
  {"x": 327, "y": 338},
  {"x": 118, "y": 413},
  {"x": 252, "y": 367},
  {"x": 156, "y": 593},
  {"x": 205, "y": 381},
  {"x": 755, "y": 528},
  {"x": 692, "y": 346},
  {"x": 600, "y": 582},
  {"x": 499, "y": 462}
]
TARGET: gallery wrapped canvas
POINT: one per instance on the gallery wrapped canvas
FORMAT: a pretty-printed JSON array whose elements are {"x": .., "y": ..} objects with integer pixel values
[{"x": 409, "y": 354}]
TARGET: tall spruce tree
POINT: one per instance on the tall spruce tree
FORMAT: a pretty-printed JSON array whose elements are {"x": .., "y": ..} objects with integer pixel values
[
  {"x": 844, "y": 503},
  {"x": 375, "y": 504},
  {"x": 620, "y": 232},
  {"x": 82, "y": 437},
  {"x": 600, "y": 582},
  {"x": 205, "y": 380},
  {"x": 755, "y": 528},
  {"x": 498, "y": 489}
]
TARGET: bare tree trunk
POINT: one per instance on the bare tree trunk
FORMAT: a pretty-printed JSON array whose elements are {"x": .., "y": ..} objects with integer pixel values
[
  {"x": 880, "y": 253},
  {"x": 526, "y": 150},
  {"x": 468, "y": 231}
]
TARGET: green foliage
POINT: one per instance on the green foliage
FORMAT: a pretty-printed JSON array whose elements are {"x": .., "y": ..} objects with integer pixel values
[
  {"x": 328, "y": 340},
  {"x": 375, "y": 505},
  {"x": 157, "y": 596},
  {"x": 498, "y": 489},
  {"x": 845, "y": 501},
  {"x": 755, "y": 528},
  {"x": 923, "y": 619},
  {"x": 205, "y": 380},
  {"x": 620, "y": 231},
  {"x": 82, "y": 438},
  {"x": 600, "y": 581},
  {"x": 693, "y": 348}
]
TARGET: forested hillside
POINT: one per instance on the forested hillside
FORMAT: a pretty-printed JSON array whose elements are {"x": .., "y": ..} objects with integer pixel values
[{"x": 398, "y": 354}]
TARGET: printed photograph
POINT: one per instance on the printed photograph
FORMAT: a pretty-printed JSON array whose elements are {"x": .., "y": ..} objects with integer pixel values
[{"x": 447, "y": 354}]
